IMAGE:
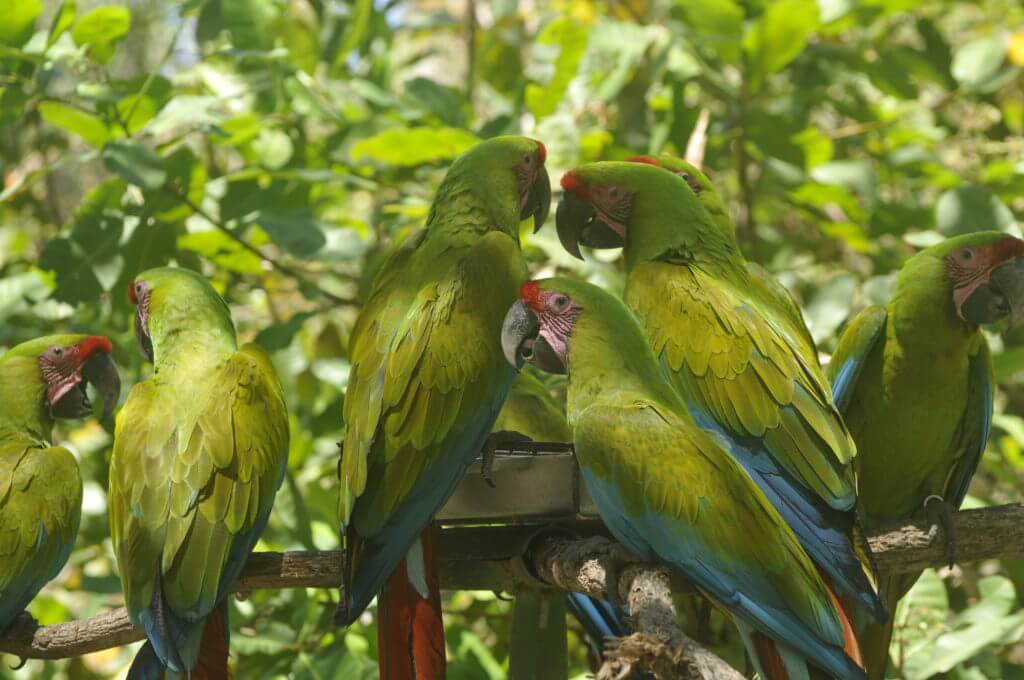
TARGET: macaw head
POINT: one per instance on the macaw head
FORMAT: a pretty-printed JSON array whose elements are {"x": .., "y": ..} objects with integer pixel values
[
  {"x": 984, "y": 272},
  {"x": 507, "y": 166},
  {"x": 637, "y": 206},
  {"x": 699, "y": 183},
  {"x": 66, "y": 363},
  {"x": 169, "y": 300},
  {"x": 538, "y": 326}
]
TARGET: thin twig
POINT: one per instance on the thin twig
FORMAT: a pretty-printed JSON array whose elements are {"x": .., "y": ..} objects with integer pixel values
[{"x": 273, "y": 262}]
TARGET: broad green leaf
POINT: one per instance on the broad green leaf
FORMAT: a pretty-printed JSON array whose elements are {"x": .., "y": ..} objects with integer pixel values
[
  {"x": 777, "y": 37},
  {"x": 136, "y": 163},
  {"x": 62, "y": 21},
  {"x": 356, "y": 28},
  {"x": 222, "y": 250},
  {"x": 971, "y": 208},
  {"x": 717, "y": 24},
  {"x": 978, "y": 61},
  {"x": 558, "y": 51},
  {"x": 86, "y": 125},
  {"x": 101, "y": 29},
  {"x": 414, "y": 146},
  {"x": 250, "y": 23},
  {"x": 19, "y": 20},
  {"x": 299, "y": 233},
  {"x": 447, "y": 103}
]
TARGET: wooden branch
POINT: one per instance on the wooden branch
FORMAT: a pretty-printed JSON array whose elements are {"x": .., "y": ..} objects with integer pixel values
[{"x": 578, "y": 557}]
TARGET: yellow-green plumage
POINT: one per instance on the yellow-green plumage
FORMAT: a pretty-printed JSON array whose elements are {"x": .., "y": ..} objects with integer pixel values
[
  {"x": 428, "y": 376},
  {"x": 199, "y": 452}
]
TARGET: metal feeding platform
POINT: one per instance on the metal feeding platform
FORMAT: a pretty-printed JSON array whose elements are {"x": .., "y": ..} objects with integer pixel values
[{"x": 534, "y": 483}]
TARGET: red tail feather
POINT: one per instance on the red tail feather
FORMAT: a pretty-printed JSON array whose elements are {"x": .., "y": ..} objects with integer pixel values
[
  {"x": 769, "y": 659},
  {"x": 212, "y": 663},
  {"x": 410, "y": 630},
  {"x": 845, "y": 607}
]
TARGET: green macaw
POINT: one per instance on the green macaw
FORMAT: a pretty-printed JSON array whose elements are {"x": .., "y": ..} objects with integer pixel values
[
  {"x": 767, "y": 285},
  {"x": 40, "y": 484},
  {"x": 741, "y": 364},
  {"x": 668, "y": 490},
  {"x": 200, "y": 449},
  {"x": 426, "y": 385},
  {"x": 533, "y": 411},
  {"x": 914, "y": 382}
]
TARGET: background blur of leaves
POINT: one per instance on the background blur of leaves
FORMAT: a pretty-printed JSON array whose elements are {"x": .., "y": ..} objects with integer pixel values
[{"x": 843, "y": 133}]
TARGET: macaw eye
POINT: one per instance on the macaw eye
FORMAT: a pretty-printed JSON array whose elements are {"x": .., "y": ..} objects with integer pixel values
[
  {"x": 56, "y": 352},
  {"x": 966, "y": 255},
  {"x": 686, "y": 177},
  {"x": 527, "y": 159},
  {"x": 561, "y": 302}
]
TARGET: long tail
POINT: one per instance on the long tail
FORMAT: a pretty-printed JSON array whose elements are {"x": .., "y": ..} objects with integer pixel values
[
  {"x": 875, "y": 638},
  {"x": 777, "y": 661},
  {"x": 410, "y": 630},
  {"x": 211, "y": 664}
]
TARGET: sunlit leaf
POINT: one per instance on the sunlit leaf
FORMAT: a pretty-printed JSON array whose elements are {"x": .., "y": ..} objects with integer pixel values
[
  {"x": 778, "y": 36},
  {"x": 19, "y": 20},
  {"x": 414, "y": 146},
  {"x": 86, "y": 125},
  {"x": 101, "y": 29},
  {"x": 558, "y": 51},
  {"x": 978, "y": 61}
]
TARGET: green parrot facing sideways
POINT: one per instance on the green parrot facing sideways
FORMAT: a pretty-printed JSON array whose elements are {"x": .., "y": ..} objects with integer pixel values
[
  {"x": 668, "y": 490},
  {"x": 200, "y": 449},
  {"x": 913, "y": 380},
  {"x": 40, "y": 484},
  {"x": 741, "y": 364},
  {"x": 427, "y": 381},
  {"x": 767, "y": 285}
]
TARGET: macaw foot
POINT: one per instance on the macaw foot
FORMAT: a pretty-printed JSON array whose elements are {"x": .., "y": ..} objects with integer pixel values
[
  {"x": 940, "y": 513},
  {"x": 22, "y": 622},
  {"x": 505, "y": 440}
]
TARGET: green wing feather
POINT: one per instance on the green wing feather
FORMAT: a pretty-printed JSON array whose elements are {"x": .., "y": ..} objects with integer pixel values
[
  {"x": 754, "y": 376},
  {"x": 425, "y": 362},
  {"x": 972, "y": 434},
  {"x": 195, "y": 468},
  {"x": 729, "y": 527},
  {"x": 40, "y": 490},
  {"x": 530, "y": 409}
]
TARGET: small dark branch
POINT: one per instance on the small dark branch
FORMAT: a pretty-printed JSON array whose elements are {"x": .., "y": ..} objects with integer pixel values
[
  {"x": 273, "y": 262},
  {"x": 579, "y": 557}
]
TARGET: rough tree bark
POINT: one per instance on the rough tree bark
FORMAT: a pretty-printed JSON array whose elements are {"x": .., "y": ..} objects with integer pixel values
[{"x": 587, "y": 561}]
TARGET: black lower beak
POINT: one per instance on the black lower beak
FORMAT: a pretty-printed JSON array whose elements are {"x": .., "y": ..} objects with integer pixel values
[
  {"x": 102, "y": 373},
  {"x": 572, "y": 217},
  {"x": 142, "y": 337},
  {"x": 518, "y": 334},
  {"x": 538, "y": 201}
]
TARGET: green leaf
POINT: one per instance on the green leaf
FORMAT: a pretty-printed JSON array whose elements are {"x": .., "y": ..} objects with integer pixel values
[
  {"x": 101, "y": 29},
  {"x": 717, "y": 24},
  {"x": 777, "y": 37},
  {"x": 136, "y": 163},
  {"x": 250, "y": 23},
  {"x": 558, "y": 51},
  {"x": 447, "y": 103},
  {"x": 356, "y": 28},
  {"x": 971, "y": 208},
  {"x": 222, "y": 250},
  {"x": 273, "y": 147},
  {"x": 298, "y": 233},
  {"x": 414, "y": 146},
  {"x": 19, "y": 21},
  {"x": 978, "y": 61},
  {"x": 86, "y": 125},
  {"x": 62, "y": 21}
]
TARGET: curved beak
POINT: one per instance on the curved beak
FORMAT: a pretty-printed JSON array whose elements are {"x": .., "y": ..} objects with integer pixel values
[
  {"x": 1001, "y": 297},
  {"x": 518, "y": 334},
  {"x": 101, "y": 371},
  {"x": 538, "y": 200},
  {"x": 578, "y": 223}
]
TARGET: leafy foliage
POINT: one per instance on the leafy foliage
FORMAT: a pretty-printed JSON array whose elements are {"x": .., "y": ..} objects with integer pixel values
[{"x": 280, "y": 145}]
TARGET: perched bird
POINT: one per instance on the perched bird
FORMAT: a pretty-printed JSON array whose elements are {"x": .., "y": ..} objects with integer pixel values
[
  {"x": 667, "y": 489},
  {"x": 40, "y": 485},
  {"x": 200, "y": 449},
  {"x": 426, "y": 385},
  {"x": 767, "y": 285},
  {"x": 742, "y": 365},
  {"x": 914, "y": 382}
]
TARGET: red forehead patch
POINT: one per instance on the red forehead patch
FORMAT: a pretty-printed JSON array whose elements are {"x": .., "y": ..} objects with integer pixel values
[
  {"x": 572, "y": 183},
  {"x": 530, "y": 294},
  {"x": 1008, "y": 248},
  {"x": 131, "y": 293},
  {"x": 649, "y": 160},
  {"x": 94, "y": 344},
  {"x": 542, "y": 152}
]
